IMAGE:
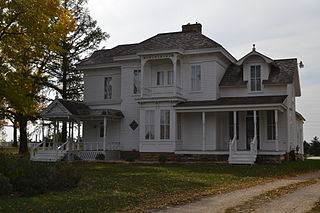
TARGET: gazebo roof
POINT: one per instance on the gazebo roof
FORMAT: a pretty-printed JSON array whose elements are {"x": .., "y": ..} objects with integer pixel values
[{"x": 61, "y": 109}]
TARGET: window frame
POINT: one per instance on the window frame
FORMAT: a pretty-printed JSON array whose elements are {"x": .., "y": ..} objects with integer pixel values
[
  {"x": 254, "y": 79},
  {"x": 165, "y": 119},
  {"x": 164, "y": 78},
  {"x": 136, "y": 80},
  {"x": 108, "y": 88},
  {"x": 149, "y": 125},
  {"x": 195, "y": 77}
]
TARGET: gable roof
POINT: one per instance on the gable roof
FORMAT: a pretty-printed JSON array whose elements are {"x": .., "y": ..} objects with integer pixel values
[
  {"x": 283, "y": 71},
  {"x": 163, "y": 41},
  {"x": 61, "y": 109}
]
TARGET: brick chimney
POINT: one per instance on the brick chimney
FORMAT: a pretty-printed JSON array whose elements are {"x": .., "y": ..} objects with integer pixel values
[{"x": 197, "y": 27}]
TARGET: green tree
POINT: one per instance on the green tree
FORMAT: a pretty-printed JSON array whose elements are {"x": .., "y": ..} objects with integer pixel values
[
  {"x": 64, "y": 78},
  {"x": 28, "y": 28},
  {"x": 315, "y": 146}
]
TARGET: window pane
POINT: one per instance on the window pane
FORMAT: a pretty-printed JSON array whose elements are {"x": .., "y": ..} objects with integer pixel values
[
  {"x": 136, "y": 81},
  {"x": 195, "y": 77},
  {"x": 149, "y": 124},
  {"x": 252, "y": 72},
  {"x": 108, "y": 88},
  {"x": 253, "y": 85},
  {"x": 164, "y": 124}
]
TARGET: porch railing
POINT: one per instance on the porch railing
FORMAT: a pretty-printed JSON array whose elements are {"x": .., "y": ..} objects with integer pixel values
[
  {"x": 232, "y": 146},
  {"x": 160, "y": 91},
  {"x": 253, "y": 147}
]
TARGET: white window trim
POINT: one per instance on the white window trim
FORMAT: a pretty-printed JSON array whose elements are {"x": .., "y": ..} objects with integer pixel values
[
  {"x": 249, "y": 78},
  {"x": 165, "y": 78},
  {"x": 167, "y": 123},
  {"x": 105, "y": 88},
  {"x": 133, "y": 83},
  {"x": 154, "y": 125},
  {"x": 191, "y": 79}
]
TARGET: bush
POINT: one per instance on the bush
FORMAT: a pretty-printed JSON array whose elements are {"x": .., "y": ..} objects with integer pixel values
[
  {"x": 5, "y": 185},
  {"x": 162, "y": 158},
  {"x": 30, "y": 178},
  {"x": 130, "y": 159},
  {"x": 100, "y": 156}
]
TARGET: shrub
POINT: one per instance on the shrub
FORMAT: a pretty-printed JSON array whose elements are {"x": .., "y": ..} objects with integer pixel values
[
  {"x": 30, "y": 178},
  {"x": 162, "y": 158},
  {"x": 130, "y": 159},
  {"x": 5, "y": 185},
  {"x": 100, "y": 156}
]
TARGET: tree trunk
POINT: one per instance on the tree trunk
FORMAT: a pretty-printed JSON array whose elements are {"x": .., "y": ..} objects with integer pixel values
[
  {"x": 64, "y": 94},
  {"x": 15, "y": 138},
  {"x": 23, "y": 148}
]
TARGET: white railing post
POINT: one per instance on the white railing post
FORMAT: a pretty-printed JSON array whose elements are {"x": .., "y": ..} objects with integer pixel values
[
  {"x": 104, "y": 133},
  {"x": 203, "y": 131},
  {"x": 235, "y": 128},
  {"x": 276, "y": 129}
]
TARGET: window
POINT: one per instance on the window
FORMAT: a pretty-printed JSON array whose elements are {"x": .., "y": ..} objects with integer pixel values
[
  {"x": 255, "y": 78},
  {"x": 149, "y": 124},
  {"x": 108, "y": 88},
  {"x": 195, "y": 77},
  {"x": 231, "y": 125},
  {"x": 271, "y": 125},
  {"x": 164, "y": 78},
  {"x": 136, "y": 81},
  {"x": 164, "y": 124}
]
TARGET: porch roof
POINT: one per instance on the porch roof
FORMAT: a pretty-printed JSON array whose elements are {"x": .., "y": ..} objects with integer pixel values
[
  {"x": 234, "y": 102},
  {"x": 61, "y": 109}
]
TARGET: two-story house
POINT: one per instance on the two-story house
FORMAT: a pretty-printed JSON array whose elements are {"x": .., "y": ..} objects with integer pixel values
[{"x": 182, "y": 96}]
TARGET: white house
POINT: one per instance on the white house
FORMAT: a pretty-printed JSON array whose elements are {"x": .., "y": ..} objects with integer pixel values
[{"x": 181, "y": 96}]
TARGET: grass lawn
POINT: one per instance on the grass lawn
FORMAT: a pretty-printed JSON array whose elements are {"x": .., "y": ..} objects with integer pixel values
[{"x": 137, "y": 187}]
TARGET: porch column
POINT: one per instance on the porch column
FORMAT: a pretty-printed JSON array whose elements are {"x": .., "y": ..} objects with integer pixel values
[
  {"x": 203, "y": 131},
  {"x": 174, "y": 61},
  {"x": 78, "y": 141},
  {"x": 42, "y": 130},
  {"x": 104, "y": 133},
  {"x": 143, "y": 62},
  {"x": 276, "y": 127},
  {"x": 54, "y": 133},
  {"x": 255, "y": 122},
  {"x": 235, "y": 124}
]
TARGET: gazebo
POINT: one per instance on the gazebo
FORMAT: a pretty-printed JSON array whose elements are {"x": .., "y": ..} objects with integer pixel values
[{"x": 74, "y": 115}]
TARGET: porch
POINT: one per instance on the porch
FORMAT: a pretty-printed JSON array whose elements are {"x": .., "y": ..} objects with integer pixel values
[
  {"x": 63, "y": 125},
  {"x": 241, "y": 130}
]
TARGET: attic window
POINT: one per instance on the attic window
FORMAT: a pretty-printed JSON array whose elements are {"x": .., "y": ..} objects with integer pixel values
[{"x": 255, "y": 78}]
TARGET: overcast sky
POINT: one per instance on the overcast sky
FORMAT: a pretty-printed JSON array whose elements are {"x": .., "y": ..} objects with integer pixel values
[{"x": 279, "y": 28}]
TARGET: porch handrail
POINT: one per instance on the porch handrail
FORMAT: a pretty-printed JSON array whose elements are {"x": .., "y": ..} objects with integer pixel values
[
  {"x": 64, "y": 144},
  {"x": 233, "y": 145},
  {"x": 253, "y": 147},
  {"x": 35, "y": 148}
]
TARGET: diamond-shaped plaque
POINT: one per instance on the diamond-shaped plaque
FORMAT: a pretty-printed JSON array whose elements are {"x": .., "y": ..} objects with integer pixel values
[{"x": 133, "y": 125}]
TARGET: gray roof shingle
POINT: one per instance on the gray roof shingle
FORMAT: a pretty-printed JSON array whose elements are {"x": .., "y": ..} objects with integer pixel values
[
  {"x": 163, "y": 41},
  {"x": 283, "y": 71}
]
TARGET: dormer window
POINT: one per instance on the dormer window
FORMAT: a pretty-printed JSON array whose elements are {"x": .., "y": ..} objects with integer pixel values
[{"x": 255, "y": 78}]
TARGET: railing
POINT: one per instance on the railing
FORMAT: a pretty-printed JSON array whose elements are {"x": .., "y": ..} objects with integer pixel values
[
  {"x": 253, "y": 147},
  {"x": 42, "y": 146},
  {"x": 232, "y": 146},
  {"x": 162, "y": 91}
]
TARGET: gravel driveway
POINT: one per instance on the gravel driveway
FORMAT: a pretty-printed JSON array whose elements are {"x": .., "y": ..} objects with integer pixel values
[{"x": 219, "y": 203}]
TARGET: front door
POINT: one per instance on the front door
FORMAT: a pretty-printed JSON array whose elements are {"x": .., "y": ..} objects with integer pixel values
[{"x": 250, "y": 128}]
